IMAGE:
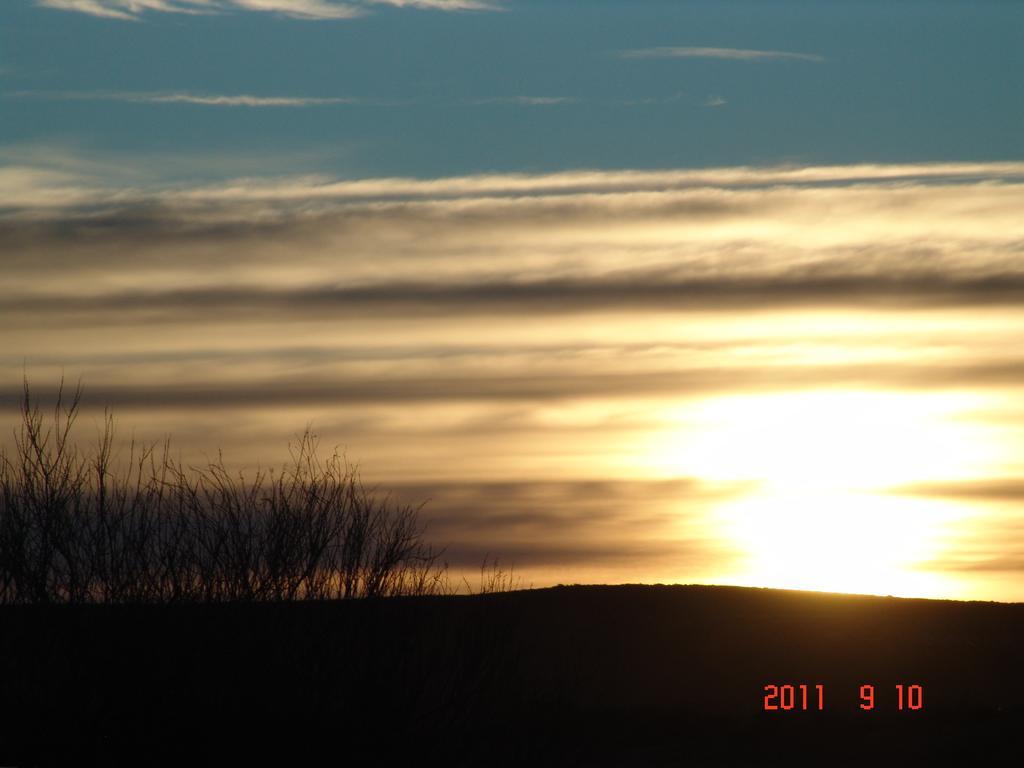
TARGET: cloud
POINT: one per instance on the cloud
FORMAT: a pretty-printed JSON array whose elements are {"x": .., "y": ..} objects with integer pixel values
[
  {"x": 996, "y": 489},
  {"x": 104, "y": 180},
  {"x": 625, "y": 292},
  {"x": 297, "y": 9},
  {"x": 240, "y": 100},
  {"x": 441, "y": 5},
  {"x": 990, "y": 562},
  {"x": 452, "y": 389},
  {"x": 40, "y": 187},
  {"x": 128, "y": 10},
  {"x": 528, "y": 101},
  {"x": 730, "y": 54},
  {"x": 312, "y": 10},
  {"x": 715, "y": 101},
  {"x": 878, "y": 238},
  {"x": 534, "y": 382},
  {"x": 517, "y": 346},
  {"x": 503, "y": 279},
  {"x": 213, "y": 100},
  {"x": 990, "y": 548}
]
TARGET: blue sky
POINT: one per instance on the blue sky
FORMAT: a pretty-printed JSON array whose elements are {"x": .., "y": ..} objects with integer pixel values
[{"x": 529, "y": 86}]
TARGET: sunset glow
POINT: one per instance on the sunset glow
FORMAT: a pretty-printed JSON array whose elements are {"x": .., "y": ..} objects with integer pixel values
[
  {"x": 819, "y": 467},
  {"x": 602, "y": 328}
]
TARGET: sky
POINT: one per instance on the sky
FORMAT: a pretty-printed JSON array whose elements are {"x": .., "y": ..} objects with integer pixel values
[{"x": 625, "y": 291}]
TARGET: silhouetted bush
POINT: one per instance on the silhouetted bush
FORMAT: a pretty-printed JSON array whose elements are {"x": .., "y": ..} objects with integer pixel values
[{"x": 80, "y": 527}]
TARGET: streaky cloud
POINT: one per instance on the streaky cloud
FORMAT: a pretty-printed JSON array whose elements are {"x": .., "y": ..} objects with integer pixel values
[
  {"x": 528, "y": 101},
  {"x": 203, "y": 99},
  {"x": 540, "y": 522},
  {"x": 894, "y": 238},
  {"x": 730, "y": 54},
  {"x": 538, "y": 386},
  {"x": 994, "y": 489},
  {"x": 91, "y": 7},
  {"x": 440, "y": 5},
  {"x": 237, "y": 100},
  {"x": 626, "y": 292},
  {"x": 131, "y": 10},
  {"x": 310, "y": 10},
  {"x": 653, "y": 257},
  {"x": 24, "y": 190}
]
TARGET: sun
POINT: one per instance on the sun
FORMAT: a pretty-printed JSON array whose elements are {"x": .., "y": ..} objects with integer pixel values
[
  {"x": 838, "y": 542},
  {"x": 820, "y": 468}
]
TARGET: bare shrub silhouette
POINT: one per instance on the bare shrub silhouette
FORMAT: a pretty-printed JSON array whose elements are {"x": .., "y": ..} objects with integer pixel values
[
  {"x": 494, "y": 579},
  {"x": 82, "y": 527}
]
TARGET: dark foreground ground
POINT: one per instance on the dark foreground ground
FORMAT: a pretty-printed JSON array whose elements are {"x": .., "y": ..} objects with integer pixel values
[{"x": 627, "y": 676}]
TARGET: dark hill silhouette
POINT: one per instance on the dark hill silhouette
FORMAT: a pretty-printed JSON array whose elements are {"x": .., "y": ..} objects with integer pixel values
[{"x": 586, "y": 675}]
